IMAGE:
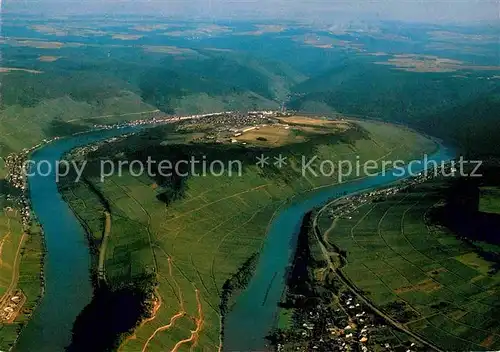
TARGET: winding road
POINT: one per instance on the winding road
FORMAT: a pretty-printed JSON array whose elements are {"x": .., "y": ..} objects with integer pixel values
[{"x": 338, "y": 272}]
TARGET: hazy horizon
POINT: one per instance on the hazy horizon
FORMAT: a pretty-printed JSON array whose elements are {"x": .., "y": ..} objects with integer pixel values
[{"x": 464, "y": 11}]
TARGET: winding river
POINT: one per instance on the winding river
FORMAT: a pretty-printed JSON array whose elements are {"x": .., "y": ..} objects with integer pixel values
[
  {"x": 255, "y": 312},
  {"x": 68, "y": 287}
]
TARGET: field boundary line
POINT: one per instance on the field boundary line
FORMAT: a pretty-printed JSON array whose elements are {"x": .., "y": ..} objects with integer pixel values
[
  {"x": 354, "y": 290},
  {"x": 148, "y": 225},
  {"x": 218, "y": 200},
  {"x": 214, "y": 253},
  {"x": 359, "y": 223}
]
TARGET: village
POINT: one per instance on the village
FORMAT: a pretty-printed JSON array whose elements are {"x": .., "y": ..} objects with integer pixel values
[
  {"x": 225, "y": 118},
  {"x": 342, "y": 207},
  {"x": 346, "y": 323},
  {"x": 349, "y": 327},
  {"x": 229, "y": 124}
]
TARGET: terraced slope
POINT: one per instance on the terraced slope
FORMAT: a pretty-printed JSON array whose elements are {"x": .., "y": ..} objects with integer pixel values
[
  {"x": 202, "y": 236},
  {"x": 441, "y": 287}
]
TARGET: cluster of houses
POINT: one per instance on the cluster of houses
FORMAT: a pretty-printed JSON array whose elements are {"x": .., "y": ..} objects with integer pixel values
[
  {"x": 229, "y": 121},
  {"x": 345, "y": 206},
  {"x": 226, "y": 127},
  {"x": 346, "y": 326},
  {"x": 16, "y": 164},
  {"x": 160, "y": 118}
]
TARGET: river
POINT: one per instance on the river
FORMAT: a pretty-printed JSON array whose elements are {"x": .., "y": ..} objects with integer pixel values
[
  {"x": 255, "y": 312},
  {"x": 68, "y": 287}
]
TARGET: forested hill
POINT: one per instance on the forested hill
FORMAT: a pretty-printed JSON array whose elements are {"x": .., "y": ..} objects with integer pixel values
[
  {"x": 66, "y": 96},
  {"x": 473, "y": 126},
  {"x": 460, "y": 107},
  {"x": 54, "y": 85}
]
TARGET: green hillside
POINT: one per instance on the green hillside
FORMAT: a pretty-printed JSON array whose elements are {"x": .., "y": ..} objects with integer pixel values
[
  {"x": 473, "y": 126},
  {"x": 441, "y": 284},
  {"x": 363, "y": 88},
  {"x": 187, "y": 236},
  {"x": 460, "y": 109},
  {"x": 68, "y": 97}
]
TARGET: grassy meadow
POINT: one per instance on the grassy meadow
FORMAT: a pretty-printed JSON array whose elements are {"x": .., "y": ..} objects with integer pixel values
[
  {"x": 440, "y": 286},
  {"x": 194, "y": 242}
]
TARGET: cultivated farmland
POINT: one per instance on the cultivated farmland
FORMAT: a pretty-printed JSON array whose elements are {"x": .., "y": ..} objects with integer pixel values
[
  {"x": 208, "y": 226},
  {"x": 441, "y": 287}
]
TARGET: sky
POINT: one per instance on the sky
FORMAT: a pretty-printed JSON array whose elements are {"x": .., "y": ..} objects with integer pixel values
[{"x": 307, "y": 10}]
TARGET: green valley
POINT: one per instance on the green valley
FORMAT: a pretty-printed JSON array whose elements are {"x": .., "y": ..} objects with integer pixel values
[
  {"x": 168, "y": 258},
  {"x": 191, "y": 241}
]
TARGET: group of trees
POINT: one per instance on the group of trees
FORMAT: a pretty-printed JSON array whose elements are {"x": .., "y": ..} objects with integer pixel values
[{"x": 113, "y": 313}]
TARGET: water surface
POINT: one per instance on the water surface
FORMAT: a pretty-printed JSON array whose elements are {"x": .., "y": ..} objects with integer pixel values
[
  {"x": 254, "y": 314},
  {"x": 68, "y": 287}
]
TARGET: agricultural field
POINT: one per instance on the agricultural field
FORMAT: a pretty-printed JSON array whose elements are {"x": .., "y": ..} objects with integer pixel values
[
  {"x": 489, "y": 200},
  {"x": 314, "y": 122},
  {"x": 25, "y": 127},
  {"x": 293, "y": 129},
  {"x": 198, "y": 235},
  {"x": 20, "y": 267},
  {"x": 271, "y": 136},
  {"x": 10, "y": 239},
  {"x": 439, "y": 286},
  {"x": 61, "y": 76},
  {"x": 317, "y": 307},
  {"x": 426, "y": 63}
]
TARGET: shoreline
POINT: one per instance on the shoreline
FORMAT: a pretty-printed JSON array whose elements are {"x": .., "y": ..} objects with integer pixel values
[
  {"x": 20, "y": 181},
  {"x": 309, "y": 223},
  {"x": 289, "y": 201}
]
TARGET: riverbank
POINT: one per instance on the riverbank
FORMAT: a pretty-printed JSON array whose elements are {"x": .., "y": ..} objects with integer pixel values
[
  {"x": 408, "y": 270},
  {"x": 209, "y": 305},
  {"x": 288, "y": 222},
  {"x": 18, "y": 198},
  {"x": 21, "y": 200},
  {"x": 60, "y": 281},
  {"x": 156, "y": 210},
  {"x": 236, "y": 284},
  {"x": 22, "y": 254},
  {"x": 315, "y": 282},
  {"x": 323, "y": 313},
  {"x": 115, "y": 309}
]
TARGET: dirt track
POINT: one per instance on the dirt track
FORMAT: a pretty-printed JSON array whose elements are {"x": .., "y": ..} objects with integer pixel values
[
  {"x": 355, "y": 291},
  {"x": 101, "y": 270}
]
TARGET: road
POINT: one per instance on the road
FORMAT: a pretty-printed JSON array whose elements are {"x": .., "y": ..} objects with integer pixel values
[
  {"x": 114, "y": 115},
  {"x": 355, "y": 291},
  {"x": 15, "y": 270},
  {"x": 101, "y": 271}
]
